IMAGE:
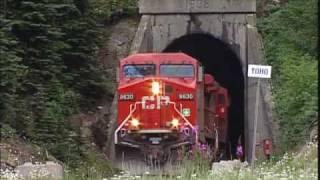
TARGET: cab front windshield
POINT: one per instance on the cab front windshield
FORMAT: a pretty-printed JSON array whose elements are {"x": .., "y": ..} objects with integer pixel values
[
  {"x": 138, "y": 71},
  {"x": 177, "y": 70}
]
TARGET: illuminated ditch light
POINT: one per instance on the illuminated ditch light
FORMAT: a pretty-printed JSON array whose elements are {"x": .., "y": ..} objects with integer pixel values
[
  {"x": 175, "y": 123},
  {"x": 135, "y": 122}
]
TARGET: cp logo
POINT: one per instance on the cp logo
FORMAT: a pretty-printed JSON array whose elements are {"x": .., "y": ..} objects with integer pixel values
[{"x": 152, "y": 102}]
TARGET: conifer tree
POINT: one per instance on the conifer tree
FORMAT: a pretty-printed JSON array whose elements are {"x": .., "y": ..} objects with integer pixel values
[{"x": 49, "y": 68}]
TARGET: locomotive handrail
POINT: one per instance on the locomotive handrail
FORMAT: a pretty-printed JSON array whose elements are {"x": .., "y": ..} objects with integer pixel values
[
  {"x": 185, "y": 119},
  {"x": 135, "y": 107},
  {"x": 176, "y": 109},
  {"x": 125, "y": 121}
]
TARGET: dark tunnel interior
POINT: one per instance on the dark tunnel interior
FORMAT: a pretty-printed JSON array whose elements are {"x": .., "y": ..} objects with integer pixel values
[{"x": 222, "y": 62}]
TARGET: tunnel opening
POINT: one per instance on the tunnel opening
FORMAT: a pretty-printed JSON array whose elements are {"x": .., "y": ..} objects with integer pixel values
[{"x": 219, "y": 60}]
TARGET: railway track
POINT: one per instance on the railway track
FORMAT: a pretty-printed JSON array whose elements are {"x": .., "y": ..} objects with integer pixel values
[
  {"x": 177, "y": 171},
  {"x": 133, "y": 162},
  {"x": 146, "y": 172}
]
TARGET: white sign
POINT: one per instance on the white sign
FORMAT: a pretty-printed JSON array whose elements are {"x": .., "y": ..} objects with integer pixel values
[{"x": 259, "y": 71}]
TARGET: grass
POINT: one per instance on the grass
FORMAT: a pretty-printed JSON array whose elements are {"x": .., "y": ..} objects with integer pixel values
[
  {"x": 95, "y": 167},
  {"x": 303, "y": 165},
  {"x": 295, "y": 166}
]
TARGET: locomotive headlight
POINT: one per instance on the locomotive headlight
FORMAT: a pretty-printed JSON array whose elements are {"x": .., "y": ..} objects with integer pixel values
[
  {"x": 175, "y": 122},
  {"x": 155, "y": 87},
  {"x": 135, "y": 122}
]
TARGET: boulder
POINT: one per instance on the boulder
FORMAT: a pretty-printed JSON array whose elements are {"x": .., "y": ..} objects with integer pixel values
[{"x": 50, "y": 170}]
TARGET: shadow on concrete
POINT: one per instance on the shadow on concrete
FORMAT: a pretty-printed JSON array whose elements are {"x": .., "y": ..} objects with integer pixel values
[{"x": 223, "y": 63}]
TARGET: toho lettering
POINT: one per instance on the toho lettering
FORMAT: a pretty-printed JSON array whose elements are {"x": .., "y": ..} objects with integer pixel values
[
  {"x": 154, "y": 102},
  {"x": 259, "y": 71}
]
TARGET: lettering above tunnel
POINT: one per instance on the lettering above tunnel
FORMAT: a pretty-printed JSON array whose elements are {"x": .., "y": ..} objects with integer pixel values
[
  {"x": 196, "y": 6},
  {"x": 259, "y": 71}
]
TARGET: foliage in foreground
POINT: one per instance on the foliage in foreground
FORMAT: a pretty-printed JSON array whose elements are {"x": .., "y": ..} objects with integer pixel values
[
  {"x": 299, "y": 166},
  {"x": 302, "y": 165},
  {"x": 290, "y": 38}
]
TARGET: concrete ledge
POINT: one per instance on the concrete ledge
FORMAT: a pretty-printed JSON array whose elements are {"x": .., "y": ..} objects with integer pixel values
[{"x": 196, "y": 6}]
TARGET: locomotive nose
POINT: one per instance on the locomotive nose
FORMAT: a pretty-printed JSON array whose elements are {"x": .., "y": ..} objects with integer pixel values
[
  {"x": 165, "y": 104},
  {"x": 157, "y": 104}
]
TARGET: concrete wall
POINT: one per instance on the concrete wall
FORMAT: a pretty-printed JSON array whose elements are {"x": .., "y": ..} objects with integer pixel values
[
  {"x": 157, "y": 31},
  {"x": 231, "y": 21},
  {"x": 265, "y": 124}
]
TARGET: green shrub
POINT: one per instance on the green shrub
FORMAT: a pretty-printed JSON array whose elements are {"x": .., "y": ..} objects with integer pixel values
[
  {"x": 290, "y": 38},
  {"x": 7, "y": 131}
]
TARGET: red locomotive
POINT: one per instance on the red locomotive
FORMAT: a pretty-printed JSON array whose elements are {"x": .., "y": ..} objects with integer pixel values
[{"x": 166, "y": 102}]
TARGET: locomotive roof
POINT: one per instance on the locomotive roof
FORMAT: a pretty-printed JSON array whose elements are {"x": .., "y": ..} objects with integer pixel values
[{"x": 143, "y": 57}]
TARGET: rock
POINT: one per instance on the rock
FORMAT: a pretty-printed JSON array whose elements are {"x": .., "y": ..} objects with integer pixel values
[
  {"x": 5, "y": 165},
  {"x": 48, "y": 170},
  {"x": 229, "y": 165}
]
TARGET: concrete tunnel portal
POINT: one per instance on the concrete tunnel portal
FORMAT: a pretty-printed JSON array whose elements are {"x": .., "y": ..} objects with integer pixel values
[{"x": 223, "y": 63}]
